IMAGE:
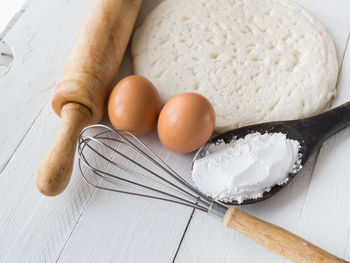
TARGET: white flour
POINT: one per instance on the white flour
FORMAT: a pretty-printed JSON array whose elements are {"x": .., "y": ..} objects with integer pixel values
[{"x": 246, "y": 168}]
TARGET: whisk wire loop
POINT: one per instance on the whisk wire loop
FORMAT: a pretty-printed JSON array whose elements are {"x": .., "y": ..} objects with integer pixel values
[
  {"x": 132, "y": 161},
  {"x": 173, "y": 187},
  {"x": 105, "y": 176}
]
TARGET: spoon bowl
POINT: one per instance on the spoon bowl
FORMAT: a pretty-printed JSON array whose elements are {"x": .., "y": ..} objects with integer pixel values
[{"x": 309, "y": 132}]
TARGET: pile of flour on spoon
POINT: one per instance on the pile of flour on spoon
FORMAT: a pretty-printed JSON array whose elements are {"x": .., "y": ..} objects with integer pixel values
[{"x": 246, "y": 168}]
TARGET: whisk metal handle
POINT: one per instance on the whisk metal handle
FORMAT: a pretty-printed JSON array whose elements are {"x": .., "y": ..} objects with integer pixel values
[
  {"x": 276, "y": 239},
  {"x": 217, "y": 210}
]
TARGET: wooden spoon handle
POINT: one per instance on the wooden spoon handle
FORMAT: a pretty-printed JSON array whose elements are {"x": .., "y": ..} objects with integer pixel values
[
  {"x": 321, "y": 127},
  {"x": 55, "y": 169},
  {"x": 276, "y": 239}
]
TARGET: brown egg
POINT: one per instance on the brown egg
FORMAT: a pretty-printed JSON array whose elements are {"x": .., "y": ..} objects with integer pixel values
[
  {"x": 186, "y": 122},
  {"x": 134, "y": 105}
]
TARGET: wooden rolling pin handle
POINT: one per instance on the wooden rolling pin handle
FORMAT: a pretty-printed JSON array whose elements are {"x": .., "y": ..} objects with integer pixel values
[
  {"x": 81, "y": 92},
  {"x": 276, "y": 239},
  {"x": 56, "y": 168}
]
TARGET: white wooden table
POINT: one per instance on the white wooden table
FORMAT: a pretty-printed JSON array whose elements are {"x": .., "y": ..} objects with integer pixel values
[{"x": 85, "y": 225}]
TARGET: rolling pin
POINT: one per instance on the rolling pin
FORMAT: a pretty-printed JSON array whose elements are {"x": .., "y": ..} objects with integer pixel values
[{"x": 80, "y": 95}]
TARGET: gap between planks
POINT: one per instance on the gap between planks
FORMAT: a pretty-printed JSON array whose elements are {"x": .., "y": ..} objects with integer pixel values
[
  {"x": 88, "y": 199},
  {"x": 23, "y": 137},
  {"x": 319, "y": 149},
  {"x": 75, "y": 225},
  {"x": 312, "y": 168},
  {"x": 81, "y": 214},
  {"x": 183, "y": 235},
  {"x": 190, "y": 219},
  {"x": 192, "y": 213},
  {"x": 9, "y": 26}
]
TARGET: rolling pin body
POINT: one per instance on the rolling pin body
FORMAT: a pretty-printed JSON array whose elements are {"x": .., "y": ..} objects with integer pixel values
[{"x": 91, "y": 68}]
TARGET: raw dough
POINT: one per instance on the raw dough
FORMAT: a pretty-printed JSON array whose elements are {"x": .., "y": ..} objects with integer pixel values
[{"x": 255, "y": 60}]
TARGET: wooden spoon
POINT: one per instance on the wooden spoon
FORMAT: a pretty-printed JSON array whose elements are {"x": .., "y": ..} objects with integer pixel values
[{"x": 310, "y": 132}]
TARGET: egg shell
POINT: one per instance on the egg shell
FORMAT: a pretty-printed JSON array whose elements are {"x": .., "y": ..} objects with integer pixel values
[
  {"x": 186, "y": 122},
  {"x": 134, "y": 105}
]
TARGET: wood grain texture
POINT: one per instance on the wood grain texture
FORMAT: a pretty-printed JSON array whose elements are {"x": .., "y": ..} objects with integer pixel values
[
  {"x": 41, "y": 41},
  {"x": 56, "y": 168},
  {"x": 94, "y": 226},
  {"x": 134, "y": 229},
  {"x": 286, "y": 208},
  {"x": 277, "y": 239},
  {"x": 34, "y": 228},
  {"x": 88, "y": 75},
  {"x": 96, "y": 56},
  {"x": 225, "y": 245},
  {"x": 329, "y": 187}
]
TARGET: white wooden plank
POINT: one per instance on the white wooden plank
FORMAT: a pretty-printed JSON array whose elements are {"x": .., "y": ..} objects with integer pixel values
[
  {"x": 41, "y": 40},
  {"x": 328, "y": 200},
  {"x": 8, "y": 8},
  {"x": 33, "y": 227},
  {"x": 36, "y": 228},
  {"x": 6, "y": 56},
  {"x": 152, "y": 235},
  {"x": 40, "y": 52},
  {"x": 208, "y": 241},
  {"x": 133, "y": 229}
]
